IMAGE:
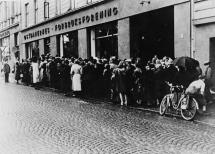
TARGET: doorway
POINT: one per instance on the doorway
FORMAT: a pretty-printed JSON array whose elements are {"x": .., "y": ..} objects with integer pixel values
[
  {"x": 212, "y": 57},
  {"x": 152, "y": 33}
]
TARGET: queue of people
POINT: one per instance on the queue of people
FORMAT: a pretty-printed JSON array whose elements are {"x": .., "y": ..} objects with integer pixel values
[{"x": 128, "y": 81}]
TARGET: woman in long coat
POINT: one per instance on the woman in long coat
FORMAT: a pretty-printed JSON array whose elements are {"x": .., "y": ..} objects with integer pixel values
[
  {"x": 17, "y": 72},
  {"x": 76, "y": 71},
  {"x": 122, "y": 83}
]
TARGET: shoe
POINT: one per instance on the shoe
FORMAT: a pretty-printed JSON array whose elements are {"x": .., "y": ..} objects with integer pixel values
[
  {"x": 204, "y": 108},
  {"x": 210, "y": 102}
]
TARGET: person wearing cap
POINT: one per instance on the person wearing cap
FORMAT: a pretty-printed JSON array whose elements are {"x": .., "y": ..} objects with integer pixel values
[
  {"x": 6, "y": 70},
  {"x": 208, "y": 81},
  {"x": 197, "y": 89}
]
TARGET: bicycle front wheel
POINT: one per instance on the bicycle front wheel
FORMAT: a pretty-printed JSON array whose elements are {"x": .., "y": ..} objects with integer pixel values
[
  {"x": 163, "y": 105},
  {"x": 190, "y": 112}
]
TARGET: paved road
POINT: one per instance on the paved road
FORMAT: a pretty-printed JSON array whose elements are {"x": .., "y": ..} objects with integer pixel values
[{"x": 42, "y": 122}]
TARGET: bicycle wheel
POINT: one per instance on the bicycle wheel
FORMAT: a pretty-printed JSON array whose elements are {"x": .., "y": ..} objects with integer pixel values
[
  {"x": 163, "y": 105},
  {"x": 190, "y": 112}
]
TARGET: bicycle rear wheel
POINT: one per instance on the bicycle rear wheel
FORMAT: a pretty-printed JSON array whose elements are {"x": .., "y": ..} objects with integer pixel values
[
  {"x": 190, "y": 112},
  {"x": 163, "y": 105}
]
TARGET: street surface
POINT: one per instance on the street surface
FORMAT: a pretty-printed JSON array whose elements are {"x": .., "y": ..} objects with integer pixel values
[{"x": 44, "y": 122}]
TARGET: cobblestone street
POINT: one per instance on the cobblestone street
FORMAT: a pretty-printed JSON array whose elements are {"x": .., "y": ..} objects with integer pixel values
[{"x": 43, "y": 122}]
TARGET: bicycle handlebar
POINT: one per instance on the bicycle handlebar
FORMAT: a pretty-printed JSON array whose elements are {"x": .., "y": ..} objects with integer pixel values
[{"x": 172, "y": 86}]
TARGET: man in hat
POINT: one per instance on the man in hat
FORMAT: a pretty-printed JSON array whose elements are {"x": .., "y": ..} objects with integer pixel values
[
  {"x": 208, "y": 81},
  {"x": 6, "y": 70}
]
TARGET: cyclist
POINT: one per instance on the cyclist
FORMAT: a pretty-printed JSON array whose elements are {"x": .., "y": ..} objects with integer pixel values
[{"x": 197, "y": 90}]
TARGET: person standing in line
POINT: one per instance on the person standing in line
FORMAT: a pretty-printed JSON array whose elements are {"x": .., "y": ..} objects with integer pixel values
[
  {"x": 122, "y": 83},
  {"x": 76, "y": 71},
  {"x": 208, "y": 82},
  {"x": 36, "y": 73},
  {"x": 6, "y": 70},
  {"x": 17, "y": 72}
]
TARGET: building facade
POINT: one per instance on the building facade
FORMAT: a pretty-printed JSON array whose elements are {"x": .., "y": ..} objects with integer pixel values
[
  {"x": 204, "y": 30},
  {"x": 104, "y": 28},
  {"x": 10, "y": 19}
]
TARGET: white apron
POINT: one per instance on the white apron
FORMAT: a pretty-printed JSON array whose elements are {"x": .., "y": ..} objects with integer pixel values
[
  {"x": 76, "y": 78},
  {"x": 36, "y": 73}
]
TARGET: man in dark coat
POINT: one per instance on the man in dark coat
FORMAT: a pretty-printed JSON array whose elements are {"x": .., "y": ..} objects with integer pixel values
[
  {"x": 6, "y": 70},
  {"x": 53, "y": 73},
  {"x": 17, "y": 72},
  {"x": 26, "y": 72},
  {"x": 208, "y": 81}
]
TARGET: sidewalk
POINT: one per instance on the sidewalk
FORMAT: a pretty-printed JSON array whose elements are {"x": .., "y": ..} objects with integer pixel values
[{"x": 206, "y": 118}]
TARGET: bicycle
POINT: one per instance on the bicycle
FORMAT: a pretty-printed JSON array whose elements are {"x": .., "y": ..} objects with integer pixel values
[{"x": 179, "y": 101}]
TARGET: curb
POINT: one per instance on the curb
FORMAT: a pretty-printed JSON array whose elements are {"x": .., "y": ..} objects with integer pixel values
[{"x": 90, "y": 99}]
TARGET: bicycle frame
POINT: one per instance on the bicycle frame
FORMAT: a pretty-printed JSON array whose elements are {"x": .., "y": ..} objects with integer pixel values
[
  {"x": 180, "y": 101},
  {"x": 171, "y": 96}
]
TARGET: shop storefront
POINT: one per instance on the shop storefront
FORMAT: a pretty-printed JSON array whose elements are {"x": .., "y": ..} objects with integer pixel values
[
  {"x": 4, "y": 46},
  {"x": 118, "y": 28},
  {"x": 87, "y": 33}
]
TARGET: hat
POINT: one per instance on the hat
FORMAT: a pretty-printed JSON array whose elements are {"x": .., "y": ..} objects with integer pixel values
[
  {"x": 128, "y": 60},
  {"x": 207, "y": 63}
]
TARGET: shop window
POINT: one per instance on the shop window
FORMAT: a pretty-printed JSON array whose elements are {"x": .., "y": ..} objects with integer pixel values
[
  {"x": 47, "y": 45},
  {"x": 70, "y": 44},
  {"x": 32, "y": 49},
  {"x": 106, "y": 42}
]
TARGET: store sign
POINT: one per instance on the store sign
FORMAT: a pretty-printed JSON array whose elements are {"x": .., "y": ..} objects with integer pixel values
[
  {"x": 4, "y": 34},
  {"x": 70, "y": 23},
  {"x": 37, "y": 33},
  {"x": 87, "y": 19}
]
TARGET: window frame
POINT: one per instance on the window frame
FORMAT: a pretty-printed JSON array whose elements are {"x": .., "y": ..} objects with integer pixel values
[
  {"x": 26, "y": 14},
  {"x": 46, "y": 10},
  {"x": 36, "y": 11}
]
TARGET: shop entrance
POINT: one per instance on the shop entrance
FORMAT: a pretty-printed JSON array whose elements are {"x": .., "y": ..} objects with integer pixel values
[
  {"x": 152, "y": 33},
  {"x": 212, "y": 57}
]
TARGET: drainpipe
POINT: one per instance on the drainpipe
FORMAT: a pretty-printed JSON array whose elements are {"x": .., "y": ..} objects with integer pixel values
[{"x": 192, "y": 35}]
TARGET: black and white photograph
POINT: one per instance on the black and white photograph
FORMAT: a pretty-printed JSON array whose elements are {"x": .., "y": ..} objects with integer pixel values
[{"x": 107, "y": 76}]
